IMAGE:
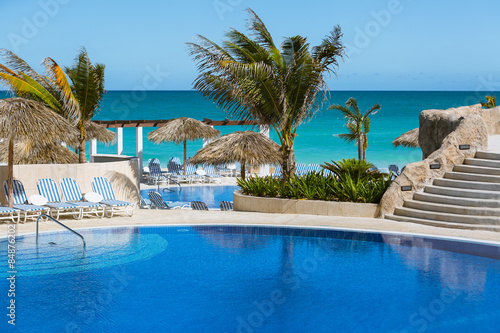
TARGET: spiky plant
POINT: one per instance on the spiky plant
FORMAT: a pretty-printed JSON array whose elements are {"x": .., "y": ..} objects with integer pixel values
[
  {"x": 357, "y": 123},
  {"x": 252, "y": 78},
  {"x": 87, "y": 84}
]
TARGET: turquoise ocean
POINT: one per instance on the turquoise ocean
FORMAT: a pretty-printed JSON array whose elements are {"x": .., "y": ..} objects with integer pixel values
[{"x": 316, "y": 141}]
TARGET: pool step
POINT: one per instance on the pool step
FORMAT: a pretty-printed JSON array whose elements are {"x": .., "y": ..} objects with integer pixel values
[{"x": 467, "y": 197}]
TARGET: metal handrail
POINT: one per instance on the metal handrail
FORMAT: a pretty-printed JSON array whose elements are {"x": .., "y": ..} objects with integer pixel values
[{"x": 65, "y": 226}]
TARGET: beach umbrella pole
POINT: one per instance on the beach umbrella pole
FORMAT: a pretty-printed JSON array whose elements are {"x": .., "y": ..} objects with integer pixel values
[
  {"x": 185, "y": 155},
  {"x": 10, "y": 175},
  {"x": 242, "y": 170}
]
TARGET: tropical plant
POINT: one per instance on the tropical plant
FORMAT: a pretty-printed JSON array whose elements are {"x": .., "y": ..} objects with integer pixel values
[
  {"x": 491, "y": 102},
  {"x": 87, "y": 84},
  {"x": 357, "y": 123},
  {"x": 351, "y": 180},
  {"x": 254, "y": 79}
]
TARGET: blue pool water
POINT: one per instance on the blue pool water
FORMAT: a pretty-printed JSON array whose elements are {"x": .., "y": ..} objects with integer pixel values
[
  {"x": 211, "y": 195},
  {"x": 251, "y": 279}
]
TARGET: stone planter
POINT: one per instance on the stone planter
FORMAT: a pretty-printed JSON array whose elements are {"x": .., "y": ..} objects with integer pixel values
[{"x": 249, "y": 203}]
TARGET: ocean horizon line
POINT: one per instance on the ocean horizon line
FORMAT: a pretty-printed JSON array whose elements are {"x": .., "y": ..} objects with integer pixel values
[{"x": 338, "y": 90}]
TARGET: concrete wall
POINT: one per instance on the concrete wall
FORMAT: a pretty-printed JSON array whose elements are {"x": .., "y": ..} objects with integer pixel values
[
  {"x": 249, "y": 203},
  {"x": 124, "y": 176}
]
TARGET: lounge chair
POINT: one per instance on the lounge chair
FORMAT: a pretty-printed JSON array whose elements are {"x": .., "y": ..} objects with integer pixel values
[
  {"x": 145, "y": 203},
  {"x": 158, "y": 202},
  {"x": 72, "y": 193},
  {"x": 191, "y": 172},
  {"x": 277, "y": 172},
  {"x": 300, "y": 169},
  {"x": 210, "y": 174},
  {"x": 327, "y": 172},
  {"x": 175, "y": 160},
  {"x": 156, "y": 175},
  {"x": 102, "y": 186},
  {"x": 7, "y": 213},
  {"x": 226, "y": 205},
  {"x": 21, "y": 201},
  {"x": 223, "y": 170},
  {"x": 176, "y": 173},
  {"x": 199, "y": 205},
  {"x": 48, "y": 188},
  {"x": 313, "y": 168},
  {"x": 394, "y": 169}
]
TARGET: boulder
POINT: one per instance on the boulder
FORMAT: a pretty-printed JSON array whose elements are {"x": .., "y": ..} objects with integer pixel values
[{"x": 462, "y": 126}]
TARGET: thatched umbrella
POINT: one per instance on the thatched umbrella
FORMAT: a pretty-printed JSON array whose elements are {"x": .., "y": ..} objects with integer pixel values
[
  {"x": 248, "y": 148},
  {"x": 25, "y": 120},
  {"x": 182, "y": 130},
  {"x": 26, "y": 153},
  {"x": 408, "y": 139},
  {"x": 101, "y": 133}
]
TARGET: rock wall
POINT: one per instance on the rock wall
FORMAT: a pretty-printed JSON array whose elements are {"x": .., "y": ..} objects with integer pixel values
[{"x": 441, "y": 133}]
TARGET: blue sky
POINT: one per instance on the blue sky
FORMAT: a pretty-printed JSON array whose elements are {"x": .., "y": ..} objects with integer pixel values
[{"x": 393, "y": 44}]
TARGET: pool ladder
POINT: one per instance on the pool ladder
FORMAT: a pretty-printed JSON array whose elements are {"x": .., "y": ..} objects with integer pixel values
[{"x": 62, "y": 225}]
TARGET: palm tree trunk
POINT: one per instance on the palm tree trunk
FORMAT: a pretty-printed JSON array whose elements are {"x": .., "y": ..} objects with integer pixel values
[
  {"x": 360, "y": 147},
  {"x": 288, "y": 165},
  {"x": 185, "y": 157},
  {"x": 10, "y": 173},
  {"x": 243, "y": 170},
  {"x": 81, "y": 152}
]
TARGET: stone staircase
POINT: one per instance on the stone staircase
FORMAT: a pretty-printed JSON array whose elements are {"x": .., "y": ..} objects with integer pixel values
[{"x": 468, "y": 197}]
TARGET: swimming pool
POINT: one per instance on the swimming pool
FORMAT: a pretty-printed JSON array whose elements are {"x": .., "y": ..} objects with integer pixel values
[
  {"x": 252, "y": 279},
  {"x": 212, "y": 195}
]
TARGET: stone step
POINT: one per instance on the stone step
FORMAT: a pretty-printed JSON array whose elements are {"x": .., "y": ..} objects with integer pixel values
[
  {"x": 466, "y": 184},
  {"x": 462, "y": 193},
  {"x": 487, "y": 155},
  {"x": 482, "y": 162},
  {"x": 472, "y": 177},
  {"x": 447, "y": 217},
  {"x": 435, "y": 223},
  {"x": 458, "y": 201},
  {"x": 452, "y": 209},
  {"x": 476, "y": 169}
]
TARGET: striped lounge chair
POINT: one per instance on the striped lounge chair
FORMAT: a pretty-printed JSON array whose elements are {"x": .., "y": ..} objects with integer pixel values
[
  {"x": 226, "y": 205},
  {"x": 176, "y": 173},
  {"x": 277, "y": 172},
  {"x": 158, "y": 202},
  {"x": 7, "y": 213},
  {"x": 313, "y": 168},
  {"x": 155, "y": 176},
  {"x": 102, "y": 186},
  {"x": 300, "y": 169},
  {"x": 72, "y": 193},
  {"x": 199, "y": 205},
  {"x": 21, "y": 201},
  {"x": 191, "y": 172},
  {"x": 48, "y": 188},
  {"x": 210, "y": 174}
]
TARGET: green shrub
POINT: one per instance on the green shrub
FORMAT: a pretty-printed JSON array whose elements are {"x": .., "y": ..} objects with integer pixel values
[{"x": 352, "y": 180}]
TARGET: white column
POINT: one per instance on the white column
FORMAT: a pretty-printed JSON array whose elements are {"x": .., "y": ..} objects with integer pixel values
[
  {"x": 264, "y": 169},
  {"x": 92, "y": 150},
  {"x": 119, "y": 141},
  {"x": 207, "y": 141},
  {"x": 138, "y": 144}
]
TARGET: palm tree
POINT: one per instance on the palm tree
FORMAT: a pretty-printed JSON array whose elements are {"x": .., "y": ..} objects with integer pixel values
[
  {"x": 52, "y": 89},
  {"x": 87, "y": 84},
  {"x": 253, "y": 79},
  {"x": 77, "y": 102},
  {"x": 357, "y": 123},
  {"x": 491, "y": 102}
]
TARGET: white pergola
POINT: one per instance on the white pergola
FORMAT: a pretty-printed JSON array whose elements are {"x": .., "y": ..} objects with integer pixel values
[{"x": 139, "y": 138}]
